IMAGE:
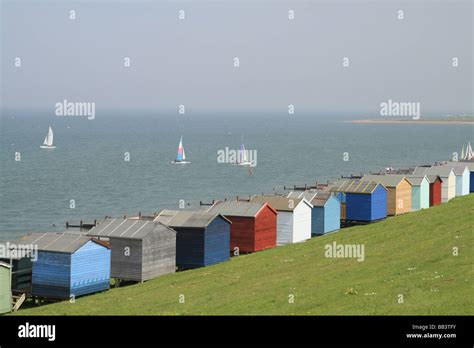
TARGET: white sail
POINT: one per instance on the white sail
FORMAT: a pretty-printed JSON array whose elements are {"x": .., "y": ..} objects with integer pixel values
[
  {"x": 49, "y": 137},
  {"x": 469, "y": 153},
  {"x": 462, "y": 153},
  {"x": 45, "y": 142}
]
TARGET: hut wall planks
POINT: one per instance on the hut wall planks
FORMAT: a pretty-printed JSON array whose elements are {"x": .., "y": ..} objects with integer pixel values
[
  {"x": 265, "y": 229},
  {"x": 5, "y": 289},
  {"x": 90, "y": 269}
]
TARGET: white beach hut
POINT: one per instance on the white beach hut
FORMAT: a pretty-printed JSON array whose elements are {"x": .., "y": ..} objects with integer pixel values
[{"x": 293, "y": 220}]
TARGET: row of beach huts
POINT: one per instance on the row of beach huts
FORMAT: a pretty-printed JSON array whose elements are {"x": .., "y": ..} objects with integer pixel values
[{"x": 143, "y": 247}]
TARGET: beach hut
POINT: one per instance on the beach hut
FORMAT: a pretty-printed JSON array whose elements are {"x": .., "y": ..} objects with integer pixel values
[
  {"x": 5, "y": 288},
  {"x": 68, "y": 265},
  {"x": 399, "y": 192},
  {"x": 254, "y": 224},
  {"x": 326, "y": 214},
  {"x": 435, "y": 189},
  {"x": 462, "y": 177},
  {"x": 19, "y": 256},
  {"x": 202, "y": 239},
  {"x": 294, "y": 217},
  {"x": 141, "y": 249},
  {"x": 448, "y": 180},
  {"x": 365, "y": 200},
  {"x": 420, "y": 194}
]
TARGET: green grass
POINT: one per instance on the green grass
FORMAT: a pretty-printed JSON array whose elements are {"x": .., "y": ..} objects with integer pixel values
[{"x": 410, "y": 255}]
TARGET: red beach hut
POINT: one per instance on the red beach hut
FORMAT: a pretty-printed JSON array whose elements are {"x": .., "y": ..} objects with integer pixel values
[
  {"x": 435, "y": 189},
  {"x": 254, "y": 225}
]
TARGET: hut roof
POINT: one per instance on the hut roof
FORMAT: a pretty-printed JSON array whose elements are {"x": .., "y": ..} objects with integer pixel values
[
  {"x": 280, "y": 203},
  {"x": 355, "y": 186},
  {"x": 64, "y": 242},
  {"x": 238, "y": 208},
  {"x": 187, "y": 218},
  {"x": 309, "y": 195},
  {"x": 321, "y": 199},
  {"x": 469, "y": 164},
  {"x": 437, "y": 170},
  {"x": 432, "y": 178},
  {"x": 388, "y": 180},
  {"x": 4, "y": 264},
  {"x": 458, "y": 167},
  {"x": 127, "y": 229},
  {"x": 416, "y": 179}
]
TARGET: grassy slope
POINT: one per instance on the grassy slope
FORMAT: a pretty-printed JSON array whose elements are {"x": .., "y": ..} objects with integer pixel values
[{"x": 410, "y": 255}]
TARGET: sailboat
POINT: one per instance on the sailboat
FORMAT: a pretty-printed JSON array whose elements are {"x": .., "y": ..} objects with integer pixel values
[
  {"x": 48, "y": 140},
  {"x": 181, "y": 157},
  {"x": 242, "y": 159}
]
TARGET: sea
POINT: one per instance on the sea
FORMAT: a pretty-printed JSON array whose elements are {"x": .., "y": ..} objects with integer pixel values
[{"x": 120, "y": 162}]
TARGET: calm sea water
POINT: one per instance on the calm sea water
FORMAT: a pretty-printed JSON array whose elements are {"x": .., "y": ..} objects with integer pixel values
[{"x": 88, "y": 164}]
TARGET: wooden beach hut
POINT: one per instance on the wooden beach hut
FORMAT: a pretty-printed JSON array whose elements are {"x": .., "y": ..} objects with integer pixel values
[
  {"x": 420, "y": 194},
  {"x": 68, "y": 265},
  {"x": 254, "y": 224},
  {"x": 141, "y": 249},
  {"x": 294, "y": 217},
  {"x": 5, "y": 288},
  {"x": 435, "y": 189},
  {"x": 462, "y": 173},
  {"x": 448, "y": 184},
  {"x": 20, "y": 257},
  {"x": 202, "y": 239},
  {"x": 326, "y": 214},
  {"x": 365, "y": 200}
]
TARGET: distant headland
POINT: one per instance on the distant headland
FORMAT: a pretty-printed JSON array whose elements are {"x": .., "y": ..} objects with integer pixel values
[{"x": 427, "y": 120}]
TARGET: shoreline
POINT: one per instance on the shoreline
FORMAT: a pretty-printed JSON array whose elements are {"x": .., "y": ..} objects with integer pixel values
[{"x": 368, "y": 121}]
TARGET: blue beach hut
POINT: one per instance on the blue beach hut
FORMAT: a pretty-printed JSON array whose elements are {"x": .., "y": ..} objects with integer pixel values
[
  {"x": 68, "y": 265},
  {"x": 365, "y": 200},
  {"x": 202, "y": 238}
]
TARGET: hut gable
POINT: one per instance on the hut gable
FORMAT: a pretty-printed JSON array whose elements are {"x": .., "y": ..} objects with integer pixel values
[
  {"x": 326, "y": 213},
  {"x": 420, "y": 196}
]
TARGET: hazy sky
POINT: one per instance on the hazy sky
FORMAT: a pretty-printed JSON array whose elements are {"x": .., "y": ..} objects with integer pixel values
[{"x": 282, "y": 61}]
